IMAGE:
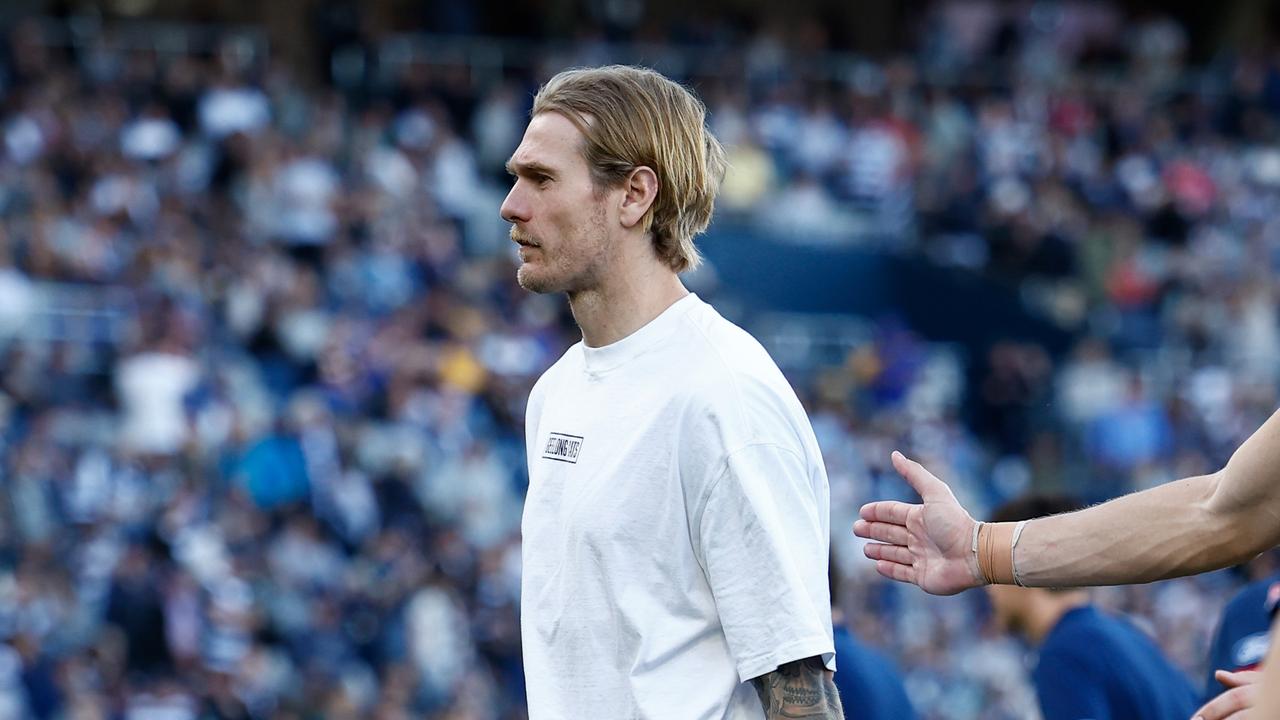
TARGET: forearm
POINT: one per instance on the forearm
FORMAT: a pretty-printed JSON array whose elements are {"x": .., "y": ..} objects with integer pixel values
[
  {"x": 1185, "y": 527},
  {"x": 801, "y": 689},
  {"x": 1163, "y": 532},
  {"x": 1181, "y": 528}
]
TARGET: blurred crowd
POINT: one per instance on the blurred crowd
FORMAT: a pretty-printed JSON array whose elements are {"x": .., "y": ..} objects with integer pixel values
[{"x": 263, "y": 361}]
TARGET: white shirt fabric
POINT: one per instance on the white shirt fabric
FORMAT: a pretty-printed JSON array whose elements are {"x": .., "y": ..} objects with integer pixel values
[{"x": 676, "y": 529}]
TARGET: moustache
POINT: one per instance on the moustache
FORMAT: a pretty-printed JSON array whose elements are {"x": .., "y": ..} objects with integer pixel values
[{"x": 522, "y": 237}]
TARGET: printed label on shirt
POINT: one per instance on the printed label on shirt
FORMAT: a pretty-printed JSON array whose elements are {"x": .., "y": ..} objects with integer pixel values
[
  {"x": 562, "y": 447},
  {"x": 1250, "y": 649}
]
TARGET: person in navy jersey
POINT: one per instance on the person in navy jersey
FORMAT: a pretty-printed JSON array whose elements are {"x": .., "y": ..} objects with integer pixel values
[
  {"x": 1091, "y": 665},
  {"x": 869, "y": 682},
  {"x": 1240, "y": 645},
  {"x": 1241, "y": 642}
]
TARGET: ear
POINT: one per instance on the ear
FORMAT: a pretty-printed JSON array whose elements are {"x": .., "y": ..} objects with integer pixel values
[{"x": 640, "y": 190}]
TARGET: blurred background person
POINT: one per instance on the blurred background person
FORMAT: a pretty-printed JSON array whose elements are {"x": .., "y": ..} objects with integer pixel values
[
  {"x": 869, "y": 682},
  {"x": 1241, "y": 640}
]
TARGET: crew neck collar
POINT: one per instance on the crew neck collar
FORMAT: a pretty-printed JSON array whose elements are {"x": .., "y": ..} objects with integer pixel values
[{"x": 607, "y": 357}]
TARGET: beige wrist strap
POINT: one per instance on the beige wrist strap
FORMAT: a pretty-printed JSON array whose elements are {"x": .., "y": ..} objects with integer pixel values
[
  {"x": 995, "y": 552},
  {"x": 1017, "y": 535}
]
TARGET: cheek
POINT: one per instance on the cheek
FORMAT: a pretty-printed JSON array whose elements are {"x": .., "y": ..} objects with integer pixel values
[{"x": 569, "y": 225}]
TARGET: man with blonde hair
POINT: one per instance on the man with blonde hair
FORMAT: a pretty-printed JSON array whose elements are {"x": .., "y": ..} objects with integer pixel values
[{"x": 676, "y": 529}]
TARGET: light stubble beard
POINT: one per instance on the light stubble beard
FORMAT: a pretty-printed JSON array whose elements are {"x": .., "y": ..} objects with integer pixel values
[
  {"x": 559, "y": 278},
  {"x": 533, "y": 284}
]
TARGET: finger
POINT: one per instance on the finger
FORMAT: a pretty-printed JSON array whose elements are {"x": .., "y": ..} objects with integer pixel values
[
  {"x": 1237, "y": 715},
  {"x": 1225, "y": 705},
  {"x": 920, "y": 479},
  {"x": 888, "y": 511},
  {"x": 882, "y": 532},
  {"x": 892, "y": 553},
  {"x": 896, "y": 571},
  {"x": 1237, "y": 679}
]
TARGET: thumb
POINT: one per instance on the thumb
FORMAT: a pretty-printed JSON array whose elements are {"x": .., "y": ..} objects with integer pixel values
[{"x": 920, "y": 479}]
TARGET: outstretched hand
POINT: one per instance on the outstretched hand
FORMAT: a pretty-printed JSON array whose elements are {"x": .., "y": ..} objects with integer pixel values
[{"x": 927, "y": 544}]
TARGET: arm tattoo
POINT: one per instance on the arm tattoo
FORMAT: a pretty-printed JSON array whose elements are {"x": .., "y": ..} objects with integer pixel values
[{"x": 800, "y": 689}]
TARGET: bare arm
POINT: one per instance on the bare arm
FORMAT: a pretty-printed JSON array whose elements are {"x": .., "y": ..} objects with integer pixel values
[
  {"x": 1181, "y": 528},
  {"x": 800, "y": 689}
]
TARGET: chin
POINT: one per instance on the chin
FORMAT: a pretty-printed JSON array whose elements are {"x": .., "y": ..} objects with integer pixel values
[{"x": 534, "y": 281}]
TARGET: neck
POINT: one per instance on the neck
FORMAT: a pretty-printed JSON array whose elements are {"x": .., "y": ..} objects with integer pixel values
[
  {"x": 625, "y": 303},
  {"x": 1049, "y": 610}
]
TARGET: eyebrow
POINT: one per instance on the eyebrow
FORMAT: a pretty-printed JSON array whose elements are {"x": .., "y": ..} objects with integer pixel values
[{"x": 528, "y": 168}]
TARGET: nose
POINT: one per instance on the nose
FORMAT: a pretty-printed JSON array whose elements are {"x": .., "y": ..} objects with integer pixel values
[{"x": 514, "y": 208}]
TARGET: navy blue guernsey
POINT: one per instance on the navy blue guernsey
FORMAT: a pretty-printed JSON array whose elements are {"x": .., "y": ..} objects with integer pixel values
[
  {"x": 869, "y": 684},
  {"x": 1095, "y": 666},
  {"x": 1240, "y": 642}
]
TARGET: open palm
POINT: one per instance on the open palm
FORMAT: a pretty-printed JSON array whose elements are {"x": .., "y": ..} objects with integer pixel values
[{"x": 927, "y": 544}]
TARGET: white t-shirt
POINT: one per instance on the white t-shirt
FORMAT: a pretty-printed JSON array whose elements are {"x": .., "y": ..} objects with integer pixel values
[{"x": 676, "y": 527}]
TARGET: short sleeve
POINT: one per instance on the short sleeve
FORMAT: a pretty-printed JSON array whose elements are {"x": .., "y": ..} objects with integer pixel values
[{"x": 763, "y": 537}]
